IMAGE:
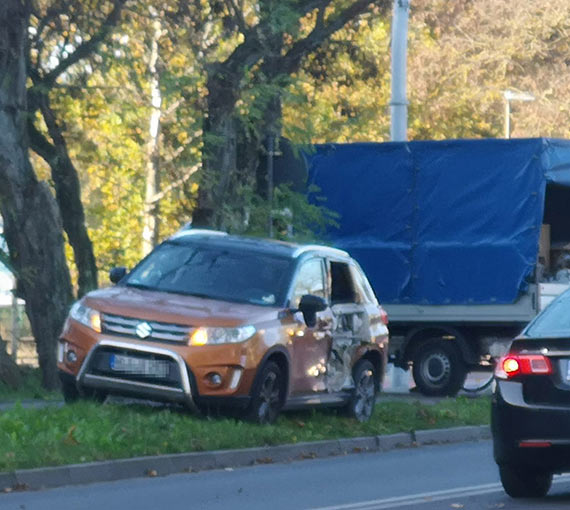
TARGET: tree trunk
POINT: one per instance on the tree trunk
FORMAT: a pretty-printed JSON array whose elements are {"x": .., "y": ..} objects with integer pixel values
[
  {"x": 9, "y": 372},
  {"x": 151, "y": 209},
  {"x": 68, "y": 195},
  {"x": 32, "y": 223},
  {"x": 220, "y": 150}
]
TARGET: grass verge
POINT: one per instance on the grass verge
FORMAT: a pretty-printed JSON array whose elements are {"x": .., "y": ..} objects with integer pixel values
[
  {"x": 86, "y": 431},
  {"x": 31, "y": 388}
]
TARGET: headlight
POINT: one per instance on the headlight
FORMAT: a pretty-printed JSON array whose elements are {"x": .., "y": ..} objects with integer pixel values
[
  {"x": 203, "y": 336},
  {"x": 86, "y": 316}
]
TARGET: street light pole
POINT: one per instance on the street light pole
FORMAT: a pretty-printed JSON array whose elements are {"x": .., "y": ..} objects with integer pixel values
[
  {"x": 507, "y": 118},
  {"x": 511, "y": 95},
  {"x": 399, "y": 53}
]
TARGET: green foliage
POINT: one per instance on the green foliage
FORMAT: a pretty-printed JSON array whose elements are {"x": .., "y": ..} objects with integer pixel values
[
  {"x": 31, "y": 388},
  {"x": 85, "y": 432},
  {"x": 294, "y": 217},
  {"x": 461, "y": 58}
]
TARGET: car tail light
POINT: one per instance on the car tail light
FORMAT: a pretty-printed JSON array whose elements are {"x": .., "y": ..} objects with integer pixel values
[
  {"x": 384, "y": 317},
  {"x": 514, "y": 365},
  {"x": 535, "y": 444}
]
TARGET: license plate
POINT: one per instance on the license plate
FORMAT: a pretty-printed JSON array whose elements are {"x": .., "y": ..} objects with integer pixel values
[{"x": 138, "y": 366}]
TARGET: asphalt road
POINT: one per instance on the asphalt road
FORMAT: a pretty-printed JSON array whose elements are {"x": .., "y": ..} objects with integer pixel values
[{"x": 436, "y": 477}]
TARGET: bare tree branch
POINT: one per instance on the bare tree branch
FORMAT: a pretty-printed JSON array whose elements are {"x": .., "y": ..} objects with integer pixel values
[
  {"x": 176, "y": 184},
  {"x": 323, "y": 30},
  {"x": 86, "y": 47},
  {"x": 237, "y": 15}
]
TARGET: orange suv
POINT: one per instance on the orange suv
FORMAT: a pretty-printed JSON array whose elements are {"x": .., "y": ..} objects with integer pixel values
[{"x": 210, "y": 319}]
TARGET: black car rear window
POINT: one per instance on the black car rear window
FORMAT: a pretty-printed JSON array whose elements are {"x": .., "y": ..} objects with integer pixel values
[
  {"x": 223, "y": 273},
  {"x": 554, "y": 321}
]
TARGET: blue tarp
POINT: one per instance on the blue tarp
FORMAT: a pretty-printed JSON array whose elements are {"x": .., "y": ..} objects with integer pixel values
[{"x": 441, "y": 222}]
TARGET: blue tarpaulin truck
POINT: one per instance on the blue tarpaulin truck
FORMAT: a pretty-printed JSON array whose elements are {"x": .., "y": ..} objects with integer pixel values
[{"x": 448, "y": 233}]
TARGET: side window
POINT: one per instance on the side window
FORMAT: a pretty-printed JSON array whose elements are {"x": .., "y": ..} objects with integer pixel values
[
  {"x": 310, "y": 280},
  {"x": 361, "y": 286},
  {"x": 342, "y": 286}
]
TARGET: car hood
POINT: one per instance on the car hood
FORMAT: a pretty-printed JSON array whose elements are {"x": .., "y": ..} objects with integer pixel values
[{"x": 175, "y": 308}]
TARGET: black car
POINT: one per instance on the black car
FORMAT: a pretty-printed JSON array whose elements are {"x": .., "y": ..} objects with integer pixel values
[{"x": 530, "y": 416}]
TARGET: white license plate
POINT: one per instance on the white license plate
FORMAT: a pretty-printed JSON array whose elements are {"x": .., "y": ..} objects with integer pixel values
[{"x": 139, "y": 366}]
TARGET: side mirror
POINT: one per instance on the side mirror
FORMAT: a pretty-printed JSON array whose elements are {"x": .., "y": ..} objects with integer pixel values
[
  {"x": 310, "y": 305},
  {"x": 117, "y": 274}
]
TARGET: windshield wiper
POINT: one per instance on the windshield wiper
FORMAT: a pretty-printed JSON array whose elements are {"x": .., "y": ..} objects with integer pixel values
[{"x": 140, "y": 286}]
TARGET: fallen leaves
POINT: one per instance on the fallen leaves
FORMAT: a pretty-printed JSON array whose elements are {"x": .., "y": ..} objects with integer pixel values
[{"x": 70, "y": 439}]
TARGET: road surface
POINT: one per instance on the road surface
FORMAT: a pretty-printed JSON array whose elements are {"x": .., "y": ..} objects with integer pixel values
[{"x": 436, "y": 477}]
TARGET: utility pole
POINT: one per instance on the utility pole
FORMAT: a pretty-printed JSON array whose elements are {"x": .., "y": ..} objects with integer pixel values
[{"x": 399, "y": 50}]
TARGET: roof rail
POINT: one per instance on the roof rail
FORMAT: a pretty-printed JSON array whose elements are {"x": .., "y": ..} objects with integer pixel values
[
  {"x": 317, "y": 247},
  {"x": 197, "y": 231}
]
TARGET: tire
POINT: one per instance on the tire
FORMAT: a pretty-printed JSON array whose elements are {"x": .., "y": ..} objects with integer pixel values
[
  {"x": 268, "y": 395},
  {"x": 438, "y": 368},
  {"x": 522, "y": 482},
  {"x": 71, "y": 394},
  {"x": 361, "y": 404}
]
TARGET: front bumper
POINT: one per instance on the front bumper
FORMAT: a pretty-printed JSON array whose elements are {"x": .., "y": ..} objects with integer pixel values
[
  {"x": 543, "y": 430},
  {"x": 178, "y": 386}
]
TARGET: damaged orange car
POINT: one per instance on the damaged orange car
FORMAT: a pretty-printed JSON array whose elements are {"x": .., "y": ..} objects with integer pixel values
[{"x": 209, "y": 319}]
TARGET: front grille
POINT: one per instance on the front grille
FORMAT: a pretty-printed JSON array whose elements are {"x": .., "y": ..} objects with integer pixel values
[
  {"x": 100, "y": 364},
  {"x": 159, "y": 331}
]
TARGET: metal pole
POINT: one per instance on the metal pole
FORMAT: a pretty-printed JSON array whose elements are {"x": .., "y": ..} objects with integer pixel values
[
  {"x": 507, "y": 118},
  {"x": 399, "y": 102},
  {"x": 270, "y": 151}
]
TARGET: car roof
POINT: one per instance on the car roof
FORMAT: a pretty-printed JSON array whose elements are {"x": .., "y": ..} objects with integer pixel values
[{"x": 268, "y": 246}]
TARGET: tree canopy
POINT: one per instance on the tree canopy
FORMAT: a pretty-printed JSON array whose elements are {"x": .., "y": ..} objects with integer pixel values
[{"x": 141, "y": 117}]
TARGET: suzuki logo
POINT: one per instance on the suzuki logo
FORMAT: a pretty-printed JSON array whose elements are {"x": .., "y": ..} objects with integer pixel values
[{"x": 143, "y": 330}]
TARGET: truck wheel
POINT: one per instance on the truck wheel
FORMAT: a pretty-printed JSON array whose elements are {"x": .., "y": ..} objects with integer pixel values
[{"x": 438, "y": 368}]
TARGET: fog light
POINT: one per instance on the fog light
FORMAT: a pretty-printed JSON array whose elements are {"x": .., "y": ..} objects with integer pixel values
[
  {"x": 71, "y": 356},
  {"x": 215, "y": 378}
]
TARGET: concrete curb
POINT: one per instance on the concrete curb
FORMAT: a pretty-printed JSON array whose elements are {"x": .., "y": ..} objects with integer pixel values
[{"x": 162, "y": 465}]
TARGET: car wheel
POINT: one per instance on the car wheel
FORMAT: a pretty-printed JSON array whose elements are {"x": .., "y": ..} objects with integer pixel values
[
  {"x": 71, "y": 394},
  {"x": 363, "y": 398},
  {"x": 524, "y": 482},
  {"x": 438, "y": 368},
  {"x": 268, "y": 395}
]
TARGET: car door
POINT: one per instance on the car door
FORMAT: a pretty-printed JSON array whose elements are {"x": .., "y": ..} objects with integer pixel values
[
  {"x": 352, "y": 313},
  {"x": 310, "y": 347}
]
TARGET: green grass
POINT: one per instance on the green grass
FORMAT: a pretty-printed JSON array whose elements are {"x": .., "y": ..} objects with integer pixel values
[
  {"x": 30, "y": 389},
  {"x": 86, "y": 431}
]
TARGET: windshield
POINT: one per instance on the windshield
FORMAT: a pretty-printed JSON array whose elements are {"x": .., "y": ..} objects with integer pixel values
[
  {"x": 214, "y": 272},
  {"x": 554, "y": 321}
]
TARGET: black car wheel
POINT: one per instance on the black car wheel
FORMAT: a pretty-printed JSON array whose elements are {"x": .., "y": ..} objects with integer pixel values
[
  {"x": 71, "y": 393},
  {"x": 363, "y": 398},
  {"x": 522, "y": 482},
  {"x": 438, "y": 368},
  {"x": 268, "y": 395}
]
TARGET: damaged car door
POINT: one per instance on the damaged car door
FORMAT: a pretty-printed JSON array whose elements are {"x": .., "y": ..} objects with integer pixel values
[
  {"x": 352, "y": 310},
  {"x": 310, "y": 343}
]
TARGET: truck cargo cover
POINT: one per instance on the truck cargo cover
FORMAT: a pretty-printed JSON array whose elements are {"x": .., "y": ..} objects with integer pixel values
[{"x": 441, "y": 222}]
